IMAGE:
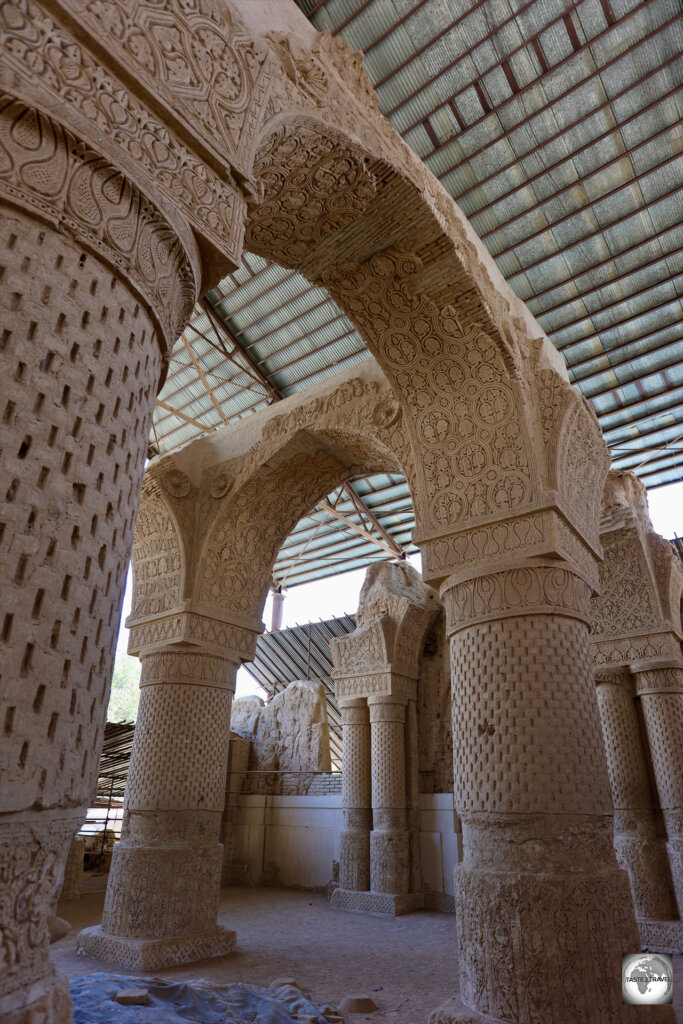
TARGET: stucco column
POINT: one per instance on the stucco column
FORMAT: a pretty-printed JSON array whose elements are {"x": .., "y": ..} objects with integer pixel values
[
  {"x": 389, "y": 847},
  {"x": 162, "y": 897},
  {"x": 661, "y": 694},
  {"x": 354, "y": 865},
  {"x": 638, "y": 834},
  {"x": 412, "y": 776},
  {"x": 83, "y": 338},
  {"x": 539, "y": 894}
]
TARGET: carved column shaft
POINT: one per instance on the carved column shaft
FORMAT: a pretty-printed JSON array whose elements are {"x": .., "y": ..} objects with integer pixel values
[
  {"x": 638, "y": 837},
  {"x": 532, "y": 792},
  {"x": 661, "y": 696},
  {"x": 354, "y": 867},
  {"x": 162, "y": 896},
  {"x": 95, "y": 281},
  {"x": 413, "y": 798},
  {"x": 389, "y": 837}
]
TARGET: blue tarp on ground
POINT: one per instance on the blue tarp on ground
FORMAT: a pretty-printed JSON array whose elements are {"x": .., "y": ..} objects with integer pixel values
[{"x": 179, "y": 1002}]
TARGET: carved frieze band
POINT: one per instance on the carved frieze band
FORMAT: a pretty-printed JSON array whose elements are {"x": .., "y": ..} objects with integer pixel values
[
  {"x": 372, "y": 684},
  {"x": 620, "y": 677},
  {"x": 187, "y": 627},
  {"x": 635, "y": 649},
  {"x": 187, "y": 667},
  {"x": 537, "y": 534},
  {"x": 533, "y": 590},
  {"x": 41, "y": 60},
  {"x": 660, "y": 680},
  {"x": 46, "y": 169}
]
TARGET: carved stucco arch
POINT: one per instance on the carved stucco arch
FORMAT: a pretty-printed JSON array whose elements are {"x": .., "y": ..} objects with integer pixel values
[
  {"x": 226, "y": 503},
  {"x": 496, "y": 430},
  {"x": 158, "y": 559}
]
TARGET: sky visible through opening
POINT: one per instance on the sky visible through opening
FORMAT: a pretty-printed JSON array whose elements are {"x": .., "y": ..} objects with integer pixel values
[{"x": 338, "y": 595}]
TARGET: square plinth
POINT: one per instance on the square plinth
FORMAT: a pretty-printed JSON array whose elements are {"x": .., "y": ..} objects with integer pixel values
[
  {"x": 154, "y": 954},
  {"x": 383, "y": 903}
]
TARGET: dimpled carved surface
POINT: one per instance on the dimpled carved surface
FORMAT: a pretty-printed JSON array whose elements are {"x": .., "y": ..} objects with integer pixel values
[
  {"x": 525, "y": 726},
  {"x": 175, "y": 723},
  {"x": 79, "y": 364},
  {"x": 664, "y": 720},
  {"x": 356, "y": 757},
  {"x": 623, "y": 746},
  {"x": 388, "y": 756}
]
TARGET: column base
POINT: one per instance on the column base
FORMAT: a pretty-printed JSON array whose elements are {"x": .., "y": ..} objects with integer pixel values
[
  {"x": 384, "y": 903},
  {"x": 661, "y": 936},
  {"x": 155, "y": 954},
  {"x": 454, "y": 1011},
  {"x": 52, "y": 1006}
]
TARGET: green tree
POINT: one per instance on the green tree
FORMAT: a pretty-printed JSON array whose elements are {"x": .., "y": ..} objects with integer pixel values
[{"x": 125, "y": 689}]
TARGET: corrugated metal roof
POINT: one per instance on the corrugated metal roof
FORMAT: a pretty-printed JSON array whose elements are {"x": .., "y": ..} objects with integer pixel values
[{"x": 556, "y": 127}]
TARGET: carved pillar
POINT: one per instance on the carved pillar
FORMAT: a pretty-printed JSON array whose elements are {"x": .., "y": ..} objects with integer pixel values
[
  {"x": 638, "y": 838},
  {"x": 376, "y": 671},
  {"x": 96, "y": 285},
  {"x": 162, "y": 896},
  {"x": 661, "y": 694},
  {"x": 354, "y": 866},
  {"x": 389, "y": 847},
  {"x": 413, "y": 798},
  {"x": 539, "y": 894},
  {"x": 636, "y": 628}
]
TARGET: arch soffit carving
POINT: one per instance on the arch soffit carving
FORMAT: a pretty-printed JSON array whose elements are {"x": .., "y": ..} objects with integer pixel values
[
  {"x": 462, "y": 355},
  {"x": 159, "y": 556},
  {"x": 299, "y": 451}
]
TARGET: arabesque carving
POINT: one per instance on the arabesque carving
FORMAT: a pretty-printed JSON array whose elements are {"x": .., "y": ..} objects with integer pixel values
[
  {"x": 636, "y": 626},
  {"x": 380, "y": 860},
  {"x": 152, "y": 128}
]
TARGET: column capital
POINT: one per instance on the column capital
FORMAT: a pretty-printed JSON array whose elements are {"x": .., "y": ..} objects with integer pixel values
[
  {"x": 188, "y": 666},
  {"x": 387, "y": 708},
  {"x": 208, "y": 633},
  {"x": 545, "y": 532},
  {"x": 533, "y": 589},
  {"x": 620, "y": 676},
  {"x": 659, "y": 678},
  {"x": 144, "y": 241}
]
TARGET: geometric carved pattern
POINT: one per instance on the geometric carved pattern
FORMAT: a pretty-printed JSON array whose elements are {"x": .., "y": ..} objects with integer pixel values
[
  {"x": 175, "y": 722},
  {"x": 513, "y": 682},
  {"x": 453, "y": 379},
  {"x": 314, "y": 187},
  {"x": 79, "y": 362},
  {"x": 48, "y": 170},
  {"x": 156, "y": 559},
  {"x": 38, "y": 51}
]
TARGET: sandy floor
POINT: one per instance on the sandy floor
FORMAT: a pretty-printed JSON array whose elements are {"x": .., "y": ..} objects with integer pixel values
[{"x": 329, "y": 953}]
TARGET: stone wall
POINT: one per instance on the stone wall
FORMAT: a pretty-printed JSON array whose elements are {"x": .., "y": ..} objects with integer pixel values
[{"x": 289, "y": 734}]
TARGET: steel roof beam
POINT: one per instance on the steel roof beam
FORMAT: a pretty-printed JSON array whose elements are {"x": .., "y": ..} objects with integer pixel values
[
  {"x": 561, "y": 250},
  {"x": 540, "y": 110},
  {"x": 580, "y": 296},
  {"x": 582, "y": 210},
  {"x": 614, "y": 305},
  {"x": 629, "y": 318}
]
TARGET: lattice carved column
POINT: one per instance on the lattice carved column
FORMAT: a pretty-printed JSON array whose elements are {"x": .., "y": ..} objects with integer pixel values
[
  {"x": 375, "y": 673},
  {"x": 638, "y": 832},
  {"x": 531, "y": 788},
  {"x": 354, "y": 866},
  {"x": 389, "y": 841},
  {"x": 96, "y": 284},
  {"x": 162, "y": 897},
  {"x": 661, "y": 694}
]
